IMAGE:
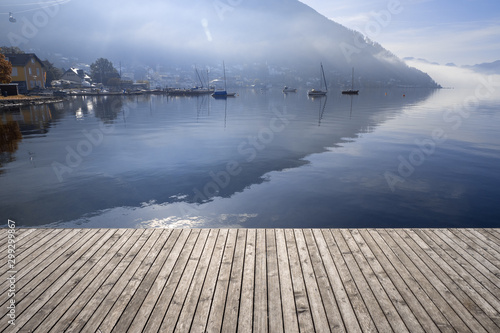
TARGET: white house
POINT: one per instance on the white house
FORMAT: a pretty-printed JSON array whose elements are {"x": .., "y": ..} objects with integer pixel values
[{"x": 76, "y": 77}]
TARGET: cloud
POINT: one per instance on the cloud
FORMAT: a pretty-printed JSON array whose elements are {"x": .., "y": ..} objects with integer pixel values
[
  {"x": 464, "y": 44},
  {"x": 451, "y": 76}
]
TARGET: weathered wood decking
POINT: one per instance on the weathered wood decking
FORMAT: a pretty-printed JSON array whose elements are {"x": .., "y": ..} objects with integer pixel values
[{"x": 260, "y": 280}]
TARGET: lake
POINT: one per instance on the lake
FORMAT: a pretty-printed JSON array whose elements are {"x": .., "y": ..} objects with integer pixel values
[{"x": 385, "y": 158}]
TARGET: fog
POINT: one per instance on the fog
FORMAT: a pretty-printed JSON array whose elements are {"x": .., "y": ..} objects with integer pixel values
[
  {"x": 453, "y": 76},
  {"x": 280, "y": 32}
]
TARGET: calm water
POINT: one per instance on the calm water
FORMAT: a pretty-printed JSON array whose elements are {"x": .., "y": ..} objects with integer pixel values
[{"x": 397, "y": 158}]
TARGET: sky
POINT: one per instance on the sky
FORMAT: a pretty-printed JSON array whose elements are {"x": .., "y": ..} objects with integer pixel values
[{"x": 464, "y": 32}]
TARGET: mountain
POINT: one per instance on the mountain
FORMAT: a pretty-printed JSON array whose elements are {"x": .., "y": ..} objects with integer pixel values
[
  {"x": 486, "y": 67},
  {"x": 285, "y": 33}
]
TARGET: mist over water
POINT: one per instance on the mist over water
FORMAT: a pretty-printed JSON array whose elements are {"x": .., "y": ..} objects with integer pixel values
[{"x": 385, "y": 158}]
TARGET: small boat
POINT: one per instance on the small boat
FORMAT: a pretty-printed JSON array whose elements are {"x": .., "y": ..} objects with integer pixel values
[
  {"x": 351, "y": 91},
  {"x": 223, "y": 93},
  {"x": 287, "y": 89},
  {"x": 319, "y": 92}
]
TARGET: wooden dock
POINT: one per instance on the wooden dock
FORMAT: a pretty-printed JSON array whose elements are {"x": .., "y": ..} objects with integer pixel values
[{"x": 253, "y": 280}]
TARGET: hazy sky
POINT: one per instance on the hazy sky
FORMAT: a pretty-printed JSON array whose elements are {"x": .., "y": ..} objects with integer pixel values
[{"x": 464, "y": 32}]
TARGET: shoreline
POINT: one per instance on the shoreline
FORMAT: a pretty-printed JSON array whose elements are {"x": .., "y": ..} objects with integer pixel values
[{"x": 6, "y": 103}]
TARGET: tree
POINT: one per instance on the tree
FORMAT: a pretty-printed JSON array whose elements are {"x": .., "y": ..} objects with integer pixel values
[
  {"x": 11, "y": 50},
  {"x": 53, "y": 73},
  {"x": 5, "y": 70},
  {"x": 102, "y": 70}
]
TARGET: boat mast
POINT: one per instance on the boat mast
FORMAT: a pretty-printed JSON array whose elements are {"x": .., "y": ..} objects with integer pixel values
[
  {"x": 208, "y": 81},
  {"x": 324, "y": 78},
  {"x": 198, "y": 74},
  {"x": 352, "y": 79},
  {"x": 224, "y": 68}
]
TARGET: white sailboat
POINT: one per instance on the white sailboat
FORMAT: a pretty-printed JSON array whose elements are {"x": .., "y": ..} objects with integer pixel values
[{"x": 319, "y": 92}]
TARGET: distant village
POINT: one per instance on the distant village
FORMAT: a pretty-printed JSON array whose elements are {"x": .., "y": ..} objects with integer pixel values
[{"x": 30, "y": 74}]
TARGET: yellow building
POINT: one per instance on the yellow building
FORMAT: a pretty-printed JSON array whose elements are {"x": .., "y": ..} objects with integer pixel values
[{"x": 28, "y": 71}]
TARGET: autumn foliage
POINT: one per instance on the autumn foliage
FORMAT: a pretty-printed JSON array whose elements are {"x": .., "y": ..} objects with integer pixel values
[{"x": 5, "y": 70}]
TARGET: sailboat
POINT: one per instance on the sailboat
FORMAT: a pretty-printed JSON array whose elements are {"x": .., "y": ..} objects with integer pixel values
[
  {"x": 319, "y": 92},
  {"x": 201, "y": 90},
  {"x": 351, "y": 91},
  {"x": 223, "y": 93}
]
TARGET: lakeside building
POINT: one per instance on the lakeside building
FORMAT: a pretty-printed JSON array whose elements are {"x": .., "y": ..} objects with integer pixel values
[{"x": 28, "y": 71}]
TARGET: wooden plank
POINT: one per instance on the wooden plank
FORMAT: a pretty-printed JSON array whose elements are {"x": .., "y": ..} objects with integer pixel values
[
  {"x": 370, "y": 300},
  {"x": 24, "y": 252},
  {"x": 98, "y": 308},
  {"x": 290, "y": 321},
  {"x": 260, "y": 292},
  {"x": 42, "y": 243},
  {"x": 481, "y": 310},
  {"x": 325, "y": 289},
  {"x": 486, "y": 240},
  {"x": 480, "y": 264},
  {"x": 25, "y": 268},
  {"x": 165, "y": 244},
  {"x": 23, "y": 236},
  {"x": 355, "y": 300},
  {"x": 207, "y": 291},
  {"x": 275, "y": 315},
  {"x": 389, "y": 286},
  {"x": 245, "y": 320},
  {"x": 475, "y": 244},
  {"x": 489, "y": 270},
  {"x": 193, "y": 297},
  {"x": 215, "y": 318},
  {"x": 231, "y": 311},
  {"x": 36, "y": 285},
  {"x": 313, "y": 293},
  {"x": 374, "y": 284},
  {"x": 493, "y": 234},
  {"x": 347, "y": 315},
  {"x": 432, "y": 321},
  {"x": 173, "y": 312},
  {"x": 454, "y": 256},
  {"x": 98, "y": 283},
  {"x": 157, "y": 240},
  {"x": 40, "y": 261},
  {"x": 179, "y": 239},
  {"x": 410, "y": 262},
  {"x": 434, "y": 274},
  {"x": 47, "y": 288},
  {"x": 304, "y": 315},
  {"x": 467, "y": 284},
  {"x": 25, "y": 241},
  {"x": 78, "y": 284},
  {"x": 93, "y": 305},
  {"x": 290, "y": 280},
  {"x": 158, "y": 314}
]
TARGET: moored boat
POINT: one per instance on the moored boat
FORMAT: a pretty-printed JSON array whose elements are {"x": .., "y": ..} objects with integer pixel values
[
  {"x": 319, "y": 92},
  {"x": 351, "y": 91}
]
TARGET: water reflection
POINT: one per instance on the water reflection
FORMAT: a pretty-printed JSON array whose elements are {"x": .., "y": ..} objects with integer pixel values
[
  {"x": 10, "y": 136},
  {"x": 159, "y": 161}
]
